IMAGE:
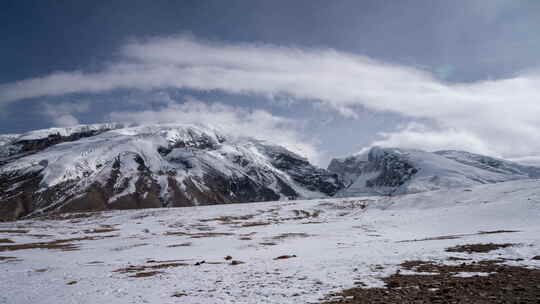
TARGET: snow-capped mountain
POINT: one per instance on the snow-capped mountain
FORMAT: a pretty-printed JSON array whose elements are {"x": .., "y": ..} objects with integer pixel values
[
  {"x": 491, "y": 163},
  {"x": 116, "y": 166},
  {"x": 389, "y": 171},
  {"x": 113, "y": 166},
  {"x": 30, "y": 142}
]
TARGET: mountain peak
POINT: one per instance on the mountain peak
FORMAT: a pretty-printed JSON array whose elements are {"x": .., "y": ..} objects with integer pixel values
[
  {"x": 117, "y": 167},
  {"x": 388, "y": 171}
]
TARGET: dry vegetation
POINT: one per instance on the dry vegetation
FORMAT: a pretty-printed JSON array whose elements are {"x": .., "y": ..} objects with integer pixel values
[
  {"x": 480, "y": 248},
  {"x": 498, "y": 284},
  {"x": 63, "y": 244}
]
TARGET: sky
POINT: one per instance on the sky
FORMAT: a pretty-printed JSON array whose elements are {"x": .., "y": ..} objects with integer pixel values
[{"x": 323, "y": 78}]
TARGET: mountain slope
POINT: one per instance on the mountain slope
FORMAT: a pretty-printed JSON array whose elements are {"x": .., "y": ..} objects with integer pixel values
[
  {"x": 121, "y": 167},
  {"x": 389, "y": 171},
  {"x": 491, "y": 163}
]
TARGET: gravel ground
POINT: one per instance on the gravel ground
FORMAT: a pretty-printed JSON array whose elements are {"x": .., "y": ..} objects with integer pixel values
[{"x": 461, "y": 281}]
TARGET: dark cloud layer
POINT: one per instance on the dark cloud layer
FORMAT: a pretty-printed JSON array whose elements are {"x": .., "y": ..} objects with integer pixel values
[{"x": 434, "y": 74}]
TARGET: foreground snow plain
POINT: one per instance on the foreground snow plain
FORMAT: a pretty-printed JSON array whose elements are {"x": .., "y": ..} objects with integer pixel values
[{"x": 334, "y": 244}]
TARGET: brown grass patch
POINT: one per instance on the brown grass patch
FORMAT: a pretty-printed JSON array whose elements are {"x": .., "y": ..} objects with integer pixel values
[
  {"x": 199, "y": 235},
  {"x": 229, "y": 219},
  {"x": 267, "y": 243},
  {"x": 480, "y": 248},
  {"x": 457, "y": 236},
  {"x": 202, "y": 227},
  {"x": 248, "y": 234},
  {"x": 127, "y": 247},
  {"x": 71, "y": 216},
  {"x": 100, "y": 230},
  {"x": 165, "y": 261},
  {"x": 291, "y": 235},
  {"x": 283, "y": 257},
  {"x": 209, "y": 234},
  {"x": 8, "y": 258},
  {"x": 186, "y": 244},
  {"x": 145, "y": 274},
  {"x": 314, "y": 222},
  {"x": 500, "y": 284},
  {"x": 6, "y": 241},
  {"x": 176, "y": 233},
  {"x": 40, "y": 236},
  {"x": 131, "y": 269},
  {"x": 302, "y": 214},
  {"x": 63, "y": 244},
  {"x": 497, "y": 231},
  {"x": 436, "y": 238},
  {"x": 41, "y": 270},
  {"x": 54, "y": 245},
  {"x": 253, "y": 224},
  {"x": 457, "y": 259},
  {"x": 13, "y": 231}
]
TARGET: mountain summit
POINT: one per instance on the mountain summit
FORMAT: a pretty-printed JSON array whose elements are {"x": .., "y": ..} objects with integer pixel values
[
  {"x": 113, "y": 166},
  {"x": 117, "y": 166},
  {"x": 392, "y": 171}
]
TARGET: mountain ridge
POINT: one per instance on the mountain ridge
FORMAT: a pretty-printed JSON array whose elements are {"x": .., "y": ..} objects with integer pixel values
[
  {"x": 393, "y": 171},
  {"x": 120, "y": 166},
  {"x": 124, "y": 167}
]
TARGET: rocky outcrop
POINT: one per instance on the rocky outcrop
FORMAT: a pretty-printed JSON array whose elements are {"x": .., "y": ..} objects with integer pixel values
[
  {"x": 348, "y": 169},
  {"x": 393, "y": 169},
  {"x": 304, "y": 173}
]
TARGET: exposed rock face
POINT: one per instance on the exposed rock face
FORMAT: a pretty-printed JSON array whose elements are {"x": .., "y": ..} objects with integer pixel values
[
  {"x": 393, "y": 169},
  {"x": 348, "y": 168},
  {"x": 115, "y": 167},
  {"x": 303, "y": 173},
  {"x": 389, "y": 171}
]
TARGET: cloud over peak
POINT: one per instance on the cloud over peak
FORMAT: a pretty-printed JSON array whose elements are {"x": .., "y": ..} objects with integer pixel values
[
  {"x": 495, "y": 116},
  {"x": 235, "y": 121}
]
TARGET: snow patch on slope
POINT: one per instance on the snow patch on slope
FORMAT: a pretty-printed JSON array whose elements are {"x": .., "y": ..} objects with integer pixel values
[
  {"x": 197, "y": 159},
  {"x": 393, "y": 171}
]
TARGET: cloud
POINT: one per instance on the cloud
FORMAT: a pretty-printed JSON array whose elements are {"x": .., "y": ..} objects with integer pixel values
[
  {"x": 419, "y": 136},
  {"x": 501, "y": 115},
  {"x": 528, "y": 160},
  {"x": 232, "y": 120},
  {"x": 62, "y": 114}
]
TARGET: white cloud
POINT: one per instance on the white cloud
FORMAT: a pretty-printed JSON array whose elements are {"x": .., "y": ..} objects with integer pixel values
[
  {"x": 62, "y": 114},
  {"x": 65, "y": 120},
  {"x": 418, "y": 136},
  {"x": 501, "y": 115},
  {"x": 232, "y": 120},
  {"x": 528, "y": 160}
]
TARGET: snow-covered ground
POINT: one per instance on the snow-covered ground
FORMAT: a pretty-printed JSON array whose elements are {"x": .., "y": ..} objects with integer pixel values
[{"x": 333, "y": 243}]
